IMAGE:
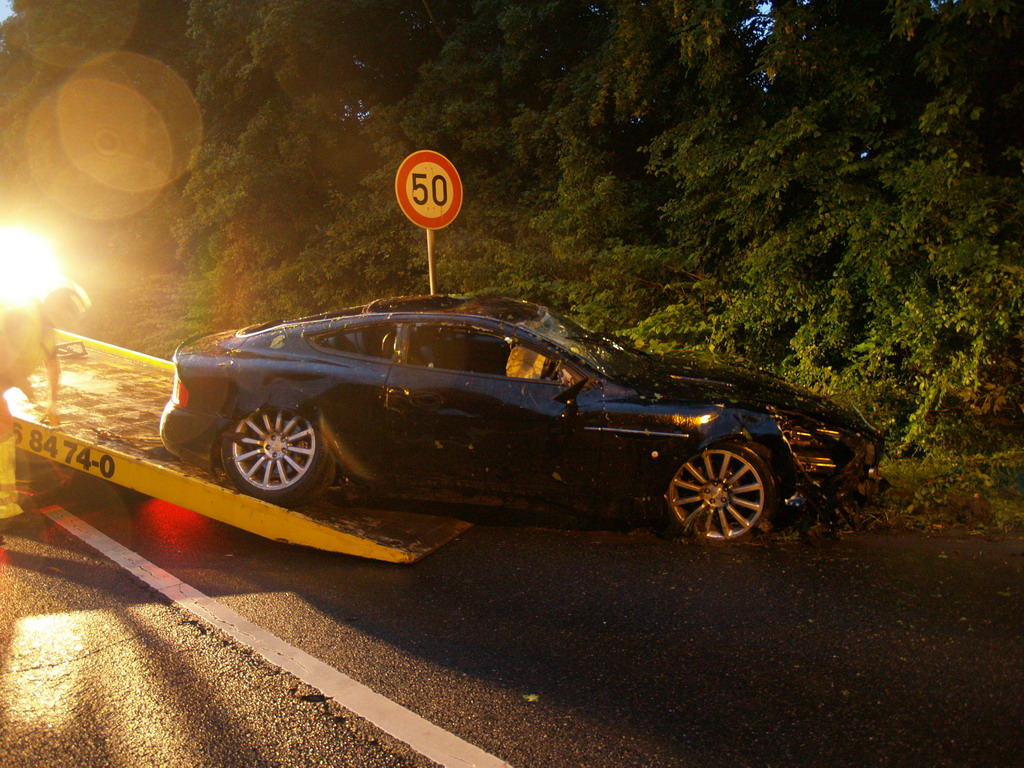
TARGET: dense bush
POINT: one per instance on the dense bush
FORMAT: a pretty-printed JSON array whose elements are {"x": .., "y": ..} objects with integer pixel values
[{"x": 831, "y": 189}]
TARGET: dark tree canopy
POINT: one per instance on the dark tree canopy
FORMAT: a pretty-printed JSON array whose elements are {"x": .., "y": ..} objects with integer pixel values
[{"x": 832, "y": 190}]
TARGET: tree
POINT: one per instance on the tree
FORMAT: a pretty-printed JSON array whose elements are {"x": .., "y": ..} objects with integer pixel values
[
  {"x": 847, "y": 199},
  {"x": 831, "y": 189}
]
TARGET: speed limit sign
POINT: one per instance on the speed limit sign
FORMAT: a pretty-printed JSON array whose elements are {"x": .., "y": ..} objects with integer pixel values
[{"x": 429, "y": 189}]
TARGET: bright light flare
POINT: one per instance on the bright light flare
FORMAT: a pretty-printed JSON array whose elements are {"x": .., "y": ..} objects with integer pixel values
[{"x": 28, "y": 266}]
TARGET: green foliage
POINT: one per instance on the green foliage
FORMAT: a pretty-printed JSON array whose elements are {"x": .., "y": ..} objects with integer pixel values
[
  {"x": 851, "y": 212},
  {"x": 979, "y": 492},
  {"x": 833, "y": 190}
]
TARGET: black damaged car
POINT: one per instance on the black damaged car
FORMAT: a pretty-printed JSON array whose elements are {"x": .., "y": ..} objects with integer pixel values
[{"x": 448, "y": 397}]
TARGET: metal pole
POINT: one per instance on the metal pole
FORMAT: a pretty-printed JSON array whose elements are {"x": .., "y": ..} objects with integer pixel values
[{"x": 430, "y": 262}]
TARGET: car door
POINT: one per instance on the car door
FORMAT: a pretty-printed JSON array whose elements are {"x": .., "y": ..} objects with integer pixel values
[
  {"x": 357, "y": 361},
  {"x": 473, "y": 408}
]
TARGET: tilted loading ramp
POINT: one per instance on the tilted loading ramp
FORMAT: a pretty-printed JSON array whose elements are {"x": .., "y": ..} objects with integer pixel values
[{"x": 110, "y": 405}]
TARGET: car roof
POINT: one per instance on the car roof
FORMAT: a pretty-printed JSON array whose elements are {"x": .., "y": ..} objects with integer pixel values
[
  {"x": 493, "y": 307},
  {"x": 513, "y": 311}
]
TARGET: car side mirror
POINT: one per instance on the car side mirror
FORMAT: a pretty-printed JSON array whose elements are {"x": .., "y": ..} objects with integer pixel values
[{"x": 568, "y": 396}]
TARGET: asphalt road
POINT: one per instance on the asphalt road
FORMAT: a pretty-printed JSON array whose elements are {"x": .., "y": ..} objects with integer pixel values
[{"x": 547, "y": 648}]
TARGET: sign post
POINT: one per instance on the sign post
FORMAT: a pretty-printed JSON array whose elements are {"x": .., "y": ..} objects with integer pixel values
[{"x": 429, "y": 193}]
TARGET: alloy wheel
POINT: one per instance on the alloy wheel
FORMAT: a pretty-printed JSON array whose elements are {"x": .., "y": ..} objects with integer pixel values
[
  {"x": 721, "y": 490},
  {"x": 273, "y": 449}
]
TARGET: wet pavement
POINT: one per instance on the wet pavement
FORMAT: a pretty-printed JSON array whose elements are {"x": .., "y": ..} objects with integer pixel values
[
  {"x": 96, "y": 670},
  {"x": 553, "y": 648}
]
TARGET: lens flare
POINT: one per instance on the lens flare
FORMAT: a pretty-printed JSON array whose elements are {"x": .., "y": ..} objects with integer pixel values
[
  {"x": 117, "y": 133},
  {"x": 113, "y": 135},
  {"x": 67, "y": 34}
]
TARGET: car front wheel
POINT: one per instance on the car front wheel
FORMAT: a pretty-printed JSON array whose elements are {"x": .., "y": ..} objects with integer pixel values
[
  {"x": 724, "y": 493},
  {"x": 278, "y": 456}
]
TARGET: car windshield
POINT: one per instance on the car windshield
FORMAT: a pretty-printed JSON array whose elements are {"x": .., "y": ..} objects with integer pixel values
[{"x": 605, "y": 354}]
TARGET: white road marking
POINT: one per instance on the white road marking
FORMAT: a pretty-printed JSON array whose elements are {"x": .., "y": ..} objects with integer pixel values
[{"x": 423, "y": 736}]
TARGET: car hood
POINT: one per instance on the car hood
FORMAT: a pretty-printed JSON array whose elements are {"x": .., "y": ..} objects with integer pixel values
[{"x": 716, "y": 381}]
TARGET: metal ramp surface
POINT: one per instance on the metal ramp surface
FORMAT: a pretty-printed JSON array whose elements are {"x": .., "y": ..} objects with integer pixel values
[{"x": 110, "y": 405}]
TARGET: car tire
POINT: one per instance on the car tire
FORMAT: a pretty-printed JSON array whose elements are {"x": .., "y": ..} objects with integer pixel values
[
  {"x": 278, "y": 456},
  {"x": 724, "y": 493}
]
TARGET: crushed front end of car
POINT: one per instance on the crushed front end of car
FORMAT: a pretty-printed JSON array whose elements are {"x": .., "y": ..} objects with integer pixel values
[{"x": 835, "y": 466}]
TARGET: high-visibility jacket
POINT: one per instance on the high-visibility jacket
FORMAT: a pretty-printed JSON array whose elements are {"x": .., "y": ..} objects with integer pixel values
[
  {"x": 8, "y": 481},
  {"x": 27, "y": 340}
]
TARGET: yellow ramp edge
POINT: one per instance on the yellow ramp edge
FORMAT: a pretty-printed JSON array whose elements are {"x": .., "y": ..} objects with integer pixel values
[
  {"x": 66, "y": 337},
  {"x": 110, "y": 404}
]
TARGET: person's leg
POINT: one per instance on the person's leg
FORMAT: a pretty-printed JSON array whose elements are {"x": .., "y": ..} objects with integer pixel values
[{"x": 8, "y": 479}]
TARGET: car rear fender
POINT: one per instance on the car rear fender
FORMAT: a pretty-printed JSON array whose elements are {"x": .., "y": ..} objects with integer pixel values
[
  {"x": 288, "y": 400},
  {"x": 277, "y": 392}
]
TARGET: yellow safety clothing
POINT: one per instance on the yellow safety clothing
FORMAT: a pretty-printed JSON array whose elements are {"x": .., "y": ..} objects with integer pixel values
[
  {"x": 28, "y": 340},
  {"x": 8, "y": 482}
]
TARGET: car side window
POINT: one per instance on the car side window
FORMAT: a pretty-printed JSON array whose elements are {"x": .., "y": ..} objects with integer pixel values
[
  {"x": 461, "y": 349},
  {"x": 369, "y": 341},
  {"x": 457, "y": 349}
]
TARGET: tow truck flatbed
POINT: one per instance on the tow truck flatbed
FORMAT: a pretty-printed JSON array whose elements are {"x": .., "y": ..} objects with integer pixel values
[{"x": 110, "y": 403}]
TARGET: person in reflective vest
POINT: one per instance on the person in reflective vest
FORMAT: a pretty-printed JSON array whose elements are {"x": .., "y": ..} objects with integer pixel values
[{"x": 27, "y": 339}]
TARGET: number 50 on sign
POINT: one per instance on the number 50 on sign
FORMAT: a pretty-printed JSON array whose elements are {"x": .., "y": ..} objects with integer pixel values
[
  {"x": 429, "y": 189},
  {"x": 429, "y": 192}
]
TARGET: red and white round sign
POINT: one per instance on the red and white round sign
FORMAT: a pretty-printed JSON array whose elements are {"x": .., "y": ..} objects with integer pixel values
[{"x": 429, "y": 189}]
